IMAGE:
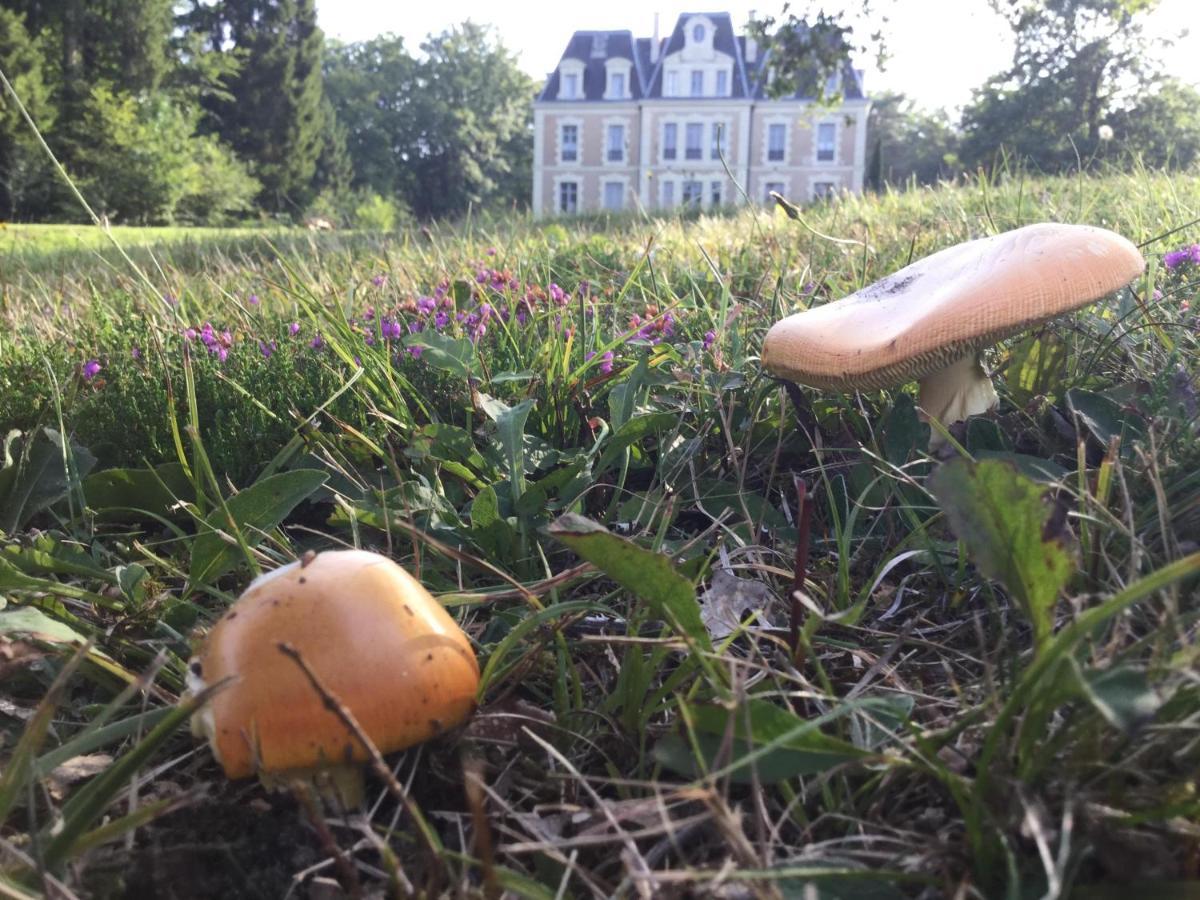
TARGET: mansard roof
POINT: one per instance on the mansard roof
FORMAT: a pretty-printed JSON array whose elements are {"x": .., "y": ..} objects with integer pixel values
[{"x": 593, "y": 49}]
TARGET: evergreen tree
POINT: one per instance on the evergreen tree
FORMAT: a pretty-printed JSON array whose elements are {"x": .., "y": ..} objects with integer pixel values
[
  {"x": 22, "y": 164},
  {"x": 272, "y": 114}
]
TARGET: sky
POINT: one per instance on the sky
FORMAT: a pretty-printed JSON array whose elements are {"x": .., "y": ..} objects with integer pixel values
[{"x": 939, "y": 49}]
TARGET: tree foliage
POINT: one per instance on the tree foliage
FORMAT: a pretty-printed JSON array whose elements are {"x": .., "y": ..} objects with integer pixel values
[{"x": 908, "y": 144}]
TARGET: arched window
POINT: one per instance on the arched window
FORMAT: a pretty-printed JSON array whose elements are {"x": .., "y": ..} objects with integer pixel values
[{"x": 698, "y": 34}]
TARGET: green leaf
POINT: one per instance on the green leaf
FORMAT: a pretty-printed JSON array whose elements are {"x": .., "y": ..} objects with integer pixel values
[
  {"x": 636, "y": 429},
  {"x": 489, "y": 528},
  {"x": 35, "y": 474},
  {"x": 1122, "y": 695},
  {"x": 1103, "y": 417},
  {"x": 510, "y": 426},
  {"x": 30, "y": 621},
  {"x": 115, "y": 493},
  {"x": 255, "y": 510},
  {"x": 903, "y": 431},
  {"x": 454, "y": 355},
  {"x": 1036, "y": 366},
  {"x": 650, "y": 576},
  {"x": 1012, "y": 534}
]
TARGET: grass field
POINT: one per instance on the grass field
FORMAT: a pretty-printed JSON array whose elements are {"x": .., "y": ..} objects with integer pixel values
[{"x": 994, "y": 691}]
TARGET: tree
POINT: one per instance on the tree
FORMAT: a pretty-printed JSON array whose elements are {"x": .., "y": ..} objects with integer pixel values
[
  {"x": 908, "y": 143},
  {"x": 22, "y": 163},
  {"x": 270, "y": 109},
  {"x": 472, "y": 117},
  {"x": 1160, "y": 127},
  {"x": 1072, "y": 62}
]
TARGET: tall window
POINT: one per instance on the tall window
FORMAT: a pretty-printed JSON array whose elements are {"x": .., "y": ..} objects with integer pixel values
[
  {"x": 670, "y": 139},
  {"x": 697, "y": 82},
  {"x": 616, "y": 143},
  {"x": 695, "y": 138},
  {"x": 719, "y": 148},
  {"x": 693, "y": 194},
  {"x": 826, "y": 136},
  {"x": 616, "y": 85},
  {"x": 823, "y": 190},
  {"x": 668, "y": 194},
  {"x": 569, "y": 143},
  {"x": 568, "y": 197},
  {"x": 570, "y": 86},
  {"x": 715, "y": 196},
  {"x": 614, "y": 195},
  {"x": 772, "y": 187},
  {"x": 672, "y": 84},
  {"x": 722, "y": 83},
  {"x": 776, "y": 137}
]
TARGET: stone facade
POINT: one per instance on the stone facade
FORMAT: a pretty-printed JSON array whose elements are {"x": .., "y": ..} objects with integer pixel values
[{"x": 626, "y": 123}]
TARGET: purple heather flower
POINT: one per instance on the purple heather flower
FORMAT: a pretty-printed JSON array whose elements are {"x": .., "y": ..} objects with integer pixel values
[
  {"x": 390, "y": 329},
  {"x": 710, "y": 338},
  {"x": 415, "y": 326},
  {"x": 294, "y": 329},
  {"x": 379, "y": 280},
  {"x": 266, "y": 349},
  {"x": 222, "y": 353},
  {"x": 426, "y": 305},
  {"x": 136, "y": 352},
  {"x": 441, "y": 320},
  {"x": 491, "y": 251},
  {"x": 91, "y": 369},
  {"x": 557, "y": 295},
  {"x": 415, "y": 351},
  {"x": 1158, "y": 295},
  {"x": 254, "y": 301},
  {"x": 1176, "y": 258},
  {"x": 606, "y": 361},
  {"x": 369, "y": 314},
  {"x": 317, "y": 342},
  {"x": 189, "y": 334}
]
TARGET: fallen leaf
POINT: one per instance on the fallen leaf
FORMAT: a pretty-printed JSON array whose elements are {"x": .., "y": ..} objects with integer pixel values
[{"x": 729, "y": 600}]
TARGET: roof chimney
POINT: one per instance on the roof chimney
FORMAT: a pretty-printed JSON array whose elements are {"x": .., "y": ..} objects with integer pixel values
[
  {"x": 655, "y": 42},
  {"x": 751, "y": 44}
]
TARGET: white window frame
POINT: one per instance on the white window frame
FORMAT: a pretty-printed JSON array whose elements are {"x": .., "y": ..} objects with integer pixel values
[
  {"x": 623, "y": 182},
  {"x": 559, "y": 183},
  {"x": 837, "y": 136},
  {"x": 774, "y": 128},
  {"x": 687, "y": 130},
  {"x": 571, "y": 67},
  {"x": 558, "y": 141},
  {"x": 824, "y": 178},
  {"x": 768, "y": 121},
  {"x": 617, "y": 66},
  {"x": 722, "y": 86},
  {"x": 623, "y": 124}
]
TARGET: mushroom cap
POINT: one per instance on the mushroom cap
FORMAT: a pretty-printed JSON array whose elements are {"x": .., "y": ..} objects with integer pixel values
[
  {"x": 945, "y": 306},
  {"x": 375, "y": 638}
]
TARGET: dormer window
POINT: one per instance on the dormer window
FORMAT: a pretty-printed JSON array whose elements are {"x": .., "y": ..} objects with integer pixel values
[
  {"x": 570, "y": 83},
  {"x": 616, "y": 84},
  {"x": 698, "y": 34},
  {"x": 617, "y": 78}
]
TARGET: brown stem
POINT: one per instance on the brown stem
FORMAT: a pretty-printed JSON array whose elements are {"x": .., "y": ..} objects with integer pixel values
[{"x": 800, "y": 570}]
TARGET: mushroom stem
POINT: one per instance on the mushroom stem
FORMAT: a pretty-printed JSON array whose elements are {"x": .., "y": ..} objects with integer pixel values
[
  {"x": 960, "y": 390},
  {"x": 339, "y": 786}
]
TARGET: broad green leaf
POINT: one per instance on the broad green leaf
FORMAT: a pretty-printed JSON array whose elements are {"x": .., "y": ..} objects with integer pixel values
[
  {"x": 650, "y": 576},
  {"x": 1103, "y": 417},
  {"x": 255, "y": 510},
  {"x": 489, "y": 528},
  {"x": 623, "y": 398},
  {"x": 1036, "y": 367},
  {"x": 35, "y": 474},
  {"x": 1011, "y": 532},
  {"x": 48, "y": 554},
  {"x": 1043, "y": 470},
  {"x": 116, "y": 493},
  {"x": 510, "y": 427},
  {"x": 635, "y": 430},
  {"x": 903, "y": 431},
  {"x": 1122, "y": 695},
  {"x": 28, "y": 620},
  {"x": 453, "y": 355}
]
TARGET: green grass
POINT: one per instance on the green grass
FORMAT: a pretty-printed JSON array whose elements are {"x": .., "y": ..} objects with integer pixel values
[{"x": 921, "y": 742}]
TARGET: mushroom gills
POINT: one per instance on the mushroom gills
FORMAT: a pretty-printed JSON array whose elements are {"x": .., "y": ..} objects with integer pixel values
[{"x": 960, "y": 390}]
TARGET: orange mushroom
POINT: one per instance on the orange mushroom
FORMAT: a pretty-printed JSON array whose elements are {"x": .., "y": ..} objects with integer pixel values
[{"x": 379, "y": 643}]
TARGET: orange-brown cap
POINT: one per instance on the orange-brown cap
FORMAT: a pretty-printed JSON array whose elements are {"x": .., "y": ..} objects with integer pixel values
[
  {"x": 948, "y": 305},
  {"x": 375, "y": 638}
]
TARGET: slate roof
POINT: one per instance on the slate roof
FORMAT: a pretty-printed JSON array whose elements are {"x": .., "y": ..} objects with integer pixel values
[{"x": 593, "y": 48}]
